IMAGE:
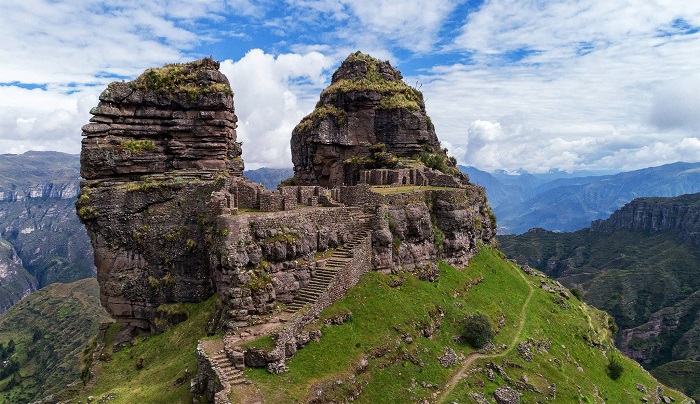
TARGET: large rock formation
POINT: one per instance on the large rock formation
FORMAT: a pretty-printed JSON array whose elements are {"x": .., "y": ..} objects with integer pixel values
[
  {"x": 153, "y": 154},
  {"x": 178, "y": 117},
  {"x": 366, "y": 104},
  {"x": 172, "y": 220},
  {"x": 654, "y": 215}
]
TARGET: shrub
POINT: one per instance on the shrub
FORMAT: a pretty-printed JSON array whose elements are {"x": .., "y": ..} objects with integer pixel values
[
  {"x": 615, "y": 367},
  {"x": 478, "y": 330},
  {"x": 576, "y": 293}
]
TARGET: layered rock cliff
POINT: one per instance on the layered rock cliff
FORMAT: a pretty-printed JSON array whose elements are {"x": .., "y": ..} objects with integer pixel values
[
  {"x": 153, "y": 154},
  {"x": 680, "y": 214},
  {"x": 366, "y": 104}
]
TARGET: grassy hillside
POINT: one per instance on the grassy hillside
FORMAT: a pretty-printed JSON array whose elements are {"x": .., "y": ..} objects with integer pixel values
[
  {"x": 153, "y": 369},
  {"x": 49, "y": 330},
  {"x": 395, "y": 347},
  {"x": 383, "y": 354},
  {"x": 648, "y": 282}
]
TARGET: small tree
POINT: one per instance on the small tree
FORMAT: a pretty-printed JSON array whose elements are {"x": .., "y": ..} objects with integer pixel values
[
  {"x": 615, "y": 367},
  {"x": 477, "y": 330}
]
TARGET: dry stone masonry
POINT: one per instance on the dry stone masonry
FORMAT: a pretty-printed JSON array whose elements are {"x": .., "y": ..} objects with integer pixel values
[{"x": 172, "y": 219}]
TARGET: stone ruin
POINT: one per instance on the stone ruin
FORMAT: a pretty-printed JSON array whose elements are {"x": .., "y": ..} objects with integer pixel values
[{"x": 172, "y": 219}]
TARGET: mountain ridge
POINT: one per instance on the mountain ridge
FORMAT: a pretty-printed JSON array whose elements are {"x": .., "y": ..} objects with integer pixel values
[{"x": 569, "y": 204}]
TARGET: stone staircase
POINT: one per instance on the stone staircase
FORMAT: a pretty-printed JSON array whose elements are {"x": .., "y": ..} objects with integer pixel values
[
  {"x": 232, "y": 375},
  {"x": 323, "y": 277}
]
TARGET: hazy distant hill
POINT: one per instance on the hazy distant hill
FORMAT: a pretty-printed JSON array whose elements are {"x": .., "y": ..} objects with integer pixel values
[
  {"x": 41, "y": 239},
  {"x": 642, "y": 265},
  {"x": 269, "y": 177},
  {"x": 560, "y": 202}
]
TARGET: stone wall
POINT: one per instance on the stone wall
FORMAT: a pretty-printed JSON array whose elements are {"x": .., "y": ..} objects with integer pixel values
[
  {"x": 208, "y": 380},
  {"x": 348, "y": 277},
  {"x": 266, "y": 258}
]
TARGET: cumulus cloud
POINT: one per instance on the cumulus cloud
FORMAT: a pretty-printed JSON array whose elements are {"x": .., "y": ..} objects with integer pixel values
[
  {"x": 272, "y": 94},
  {"x": 508, "y": 84}
]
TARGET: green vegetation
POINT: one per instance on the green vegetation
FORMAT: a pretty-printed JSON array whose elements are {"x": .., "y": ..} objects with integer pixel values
[
  {"x": 477, "y": 330},
  {"x": 615, "y": 367},
  {"x": 397, "y": 93},
  {"x": 371, "y": 357},
  {"x": 641, "y": 279},
  {"x": 399, "y": 100},
  {"x": 440, "y": 161},
  {"x": 139, "y": 146},
  {"x": 167, "y": 362},
  {"x": 681, "y": 375},
  {"x": 180, "y": 78},
  {"x": 319, "y": 114},
  {"x": 42, "y": 337}
]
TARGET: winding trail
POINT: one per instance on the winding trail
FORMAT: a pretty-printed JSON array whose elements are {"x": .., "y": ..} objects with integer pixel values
[{"x": 450, "y": 385}]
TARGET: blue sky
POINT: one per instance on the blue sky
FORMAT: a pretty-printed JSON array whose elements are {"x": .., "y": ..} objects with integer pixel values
[{"x": 509, "y": 84}]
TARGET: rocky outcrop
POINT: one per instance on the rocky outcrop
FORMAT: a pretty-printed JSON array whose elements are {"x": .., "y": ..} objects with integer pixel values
[
  {"x": 367, "y": 104},
  {"x": 172, "y": 220},
  {"x": 668, "y": 335},
  {"x": 178, "y": 117},
  {"x": 680, "y": 214},
  {"x": 154, "y": 153}
]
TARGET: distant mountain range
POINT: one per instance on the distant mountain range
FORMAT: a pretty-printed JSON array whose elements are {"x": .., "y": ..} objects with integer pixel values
[
  {"x": 566, "y": 202},
  {"x": 41, "y": 239},
  {"x": 642, "y": 266}
]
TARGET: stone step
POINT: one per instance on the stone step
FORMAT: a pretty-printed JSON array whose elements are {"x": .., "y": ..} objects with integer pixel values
[
  {"x": 324, "y": 275},
  {"x": 316, "y": 290},
  {"x": 306, "y": 299},
  {"x": 336, "y": 261},
  {"x": 316, "y": 283}
]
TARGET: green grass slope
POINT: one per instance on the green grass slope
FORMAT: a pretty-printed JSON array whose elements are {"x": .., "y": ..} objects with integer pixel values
[
  {"x": 49, "y": 329},
  {"x": 647, "y": 281},
  {"x": 390, "y": 348},
  {"x": 166, "y": 362},
  {"x": 675, "y": 374}
]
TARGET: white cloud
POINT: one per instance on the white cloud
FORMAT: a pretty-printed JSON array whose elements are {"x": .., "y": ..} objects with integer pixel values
[
  {"x": 676, "y": 104},
  {"x": 272, "y": 94},
  {"x": 572, "y": 85},
  {"x": 413, "y": 24}
]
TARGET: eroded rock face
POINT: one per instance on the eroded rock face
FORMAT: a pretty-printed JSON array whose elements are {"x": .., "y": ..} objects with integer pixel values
[
  {"x": 366, "y": 104},
  {"x": 178, "y": 117},
  {"x": 155, "y": 152},
  {"x": 172, "y": 220}
]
